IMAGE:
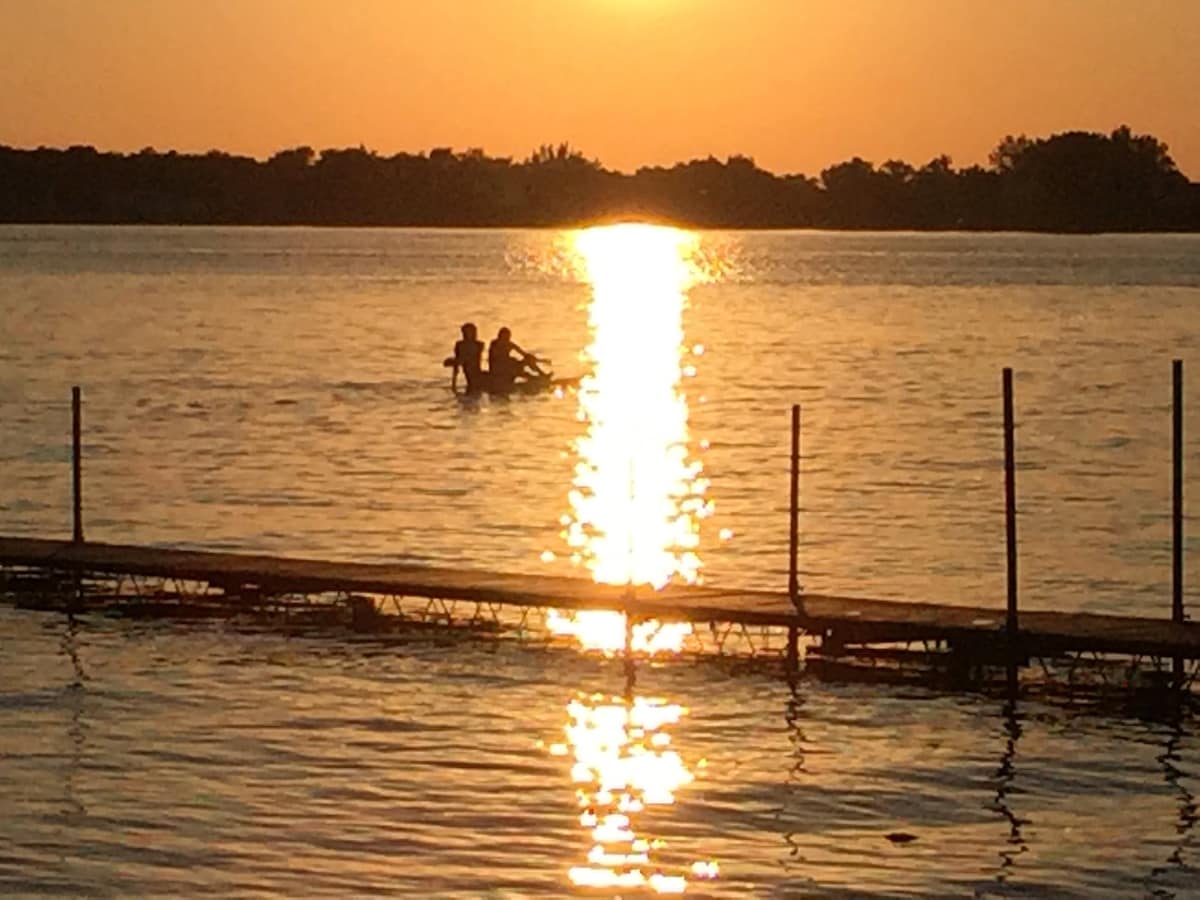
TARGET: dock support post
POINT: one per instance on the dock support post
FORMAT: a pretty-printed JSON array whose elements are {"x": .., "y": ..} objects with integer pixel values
[
  {"x": 793, "y": 652},
  {"x": 1010, "y": 510},
  {"x": 794, "y": 513},
  {"x": 364, "y": 615},
  {"x": 76, "y": 467},
  {"x": 629, "y": 664},
  {"x": 793, "y": 644},
  {"x": 1177, "y": 503}
]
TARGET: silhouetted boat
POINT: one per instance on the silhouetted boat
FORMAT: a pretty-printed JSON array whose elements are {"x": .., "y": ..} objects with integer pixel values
[
  {"x": 523, "y": 387},
  {"x": 539, "y": 386}
]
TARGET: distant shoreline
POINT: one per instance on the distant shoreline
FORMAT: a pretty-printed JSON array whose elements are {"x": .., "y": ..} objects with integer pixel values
[
  {"x": 1071, "y": 183},
  {"x": 781, "y": 229}
]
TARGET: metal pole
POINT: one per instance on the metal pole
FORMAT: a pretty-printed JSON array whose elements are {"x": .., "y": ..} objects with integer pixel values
[
  {"x": 1177, "y": 669},
  {"x": 794, "y": 513},
  {"x": 76, "y": 467},
  {"x": 1177, "y": 492},
  {"x": 793, "y": 651},
  {"x": 1010, "y": 505}
]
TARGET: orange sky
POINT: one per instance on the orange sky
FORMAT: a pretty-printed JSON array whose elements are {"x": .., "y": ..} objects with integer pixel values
[{"x": 797, "y": 84}]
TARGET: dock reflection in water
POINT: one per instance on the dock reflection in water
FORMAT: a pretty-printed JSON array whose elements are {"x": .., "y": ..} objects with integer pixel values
[
  {"x": 1005, "y": 776},
  {"x": 1189, "y": 813}
]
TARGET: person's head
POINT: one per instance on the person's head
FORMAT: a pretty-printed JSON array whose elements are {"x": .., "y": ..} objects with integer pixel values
[
  {"x": 504, "y": 334},
  {"x": 468, "y": 331}
]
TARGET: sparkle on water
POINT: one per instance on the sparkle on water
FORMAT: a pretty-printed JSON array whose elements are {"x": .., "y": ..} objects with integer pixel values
[
  {"x": 623, "y": 764},
  {"x": 638, "y": 494},
  {"x": 636, "y": 505}
]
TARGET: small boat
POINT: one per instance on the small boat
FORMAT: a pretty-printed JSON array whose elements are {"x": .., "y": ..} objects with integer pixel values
[{"x": 540, "y": 384}]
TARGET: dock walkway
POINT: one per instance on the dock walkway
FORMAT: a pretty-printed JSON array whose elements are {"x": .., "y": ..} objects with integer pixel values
[{"x": 837, "y": 621}]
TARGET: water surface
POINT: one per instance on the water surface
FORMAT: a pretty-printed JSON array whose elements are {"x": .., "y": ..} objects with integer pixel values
[{"x": 281, "y": 390}]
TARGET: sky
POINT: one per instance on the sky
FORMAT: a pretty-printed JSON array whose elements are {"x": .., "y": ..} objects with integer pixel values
[{"x": 796, "y": 84}]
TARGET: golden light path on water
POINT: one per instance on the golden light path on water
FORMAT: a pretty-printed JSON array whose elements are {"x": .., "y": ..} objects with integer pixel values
[
  {"x": 624, "y": 764},
  {"x": 636, "y": 505},
  {"x": 638, "y": 494}
]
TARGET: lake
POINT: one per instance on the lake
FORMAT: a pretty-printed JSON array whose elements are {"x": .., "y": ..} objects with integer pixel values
[{"x": 282, "y": 390}]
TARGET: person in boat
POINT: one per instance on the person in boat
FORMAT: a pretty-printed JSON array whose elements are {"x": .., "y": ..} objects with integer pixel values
[
  {"x": 509, "y": 365},
  {"x": 468, "y": 356}
]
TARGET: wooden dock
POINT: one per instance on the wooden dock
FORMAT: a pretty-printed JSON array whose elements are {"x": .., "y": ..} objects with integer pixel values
[{"x": 837, "y": 622}]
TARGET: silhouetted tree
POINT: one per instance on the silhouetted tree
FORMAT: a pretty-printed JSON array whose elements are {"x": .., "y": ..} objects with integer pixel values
[
  {"x": 858, "y": 195},
  {"x": 1080, "y": 181},
  {"x": 1075, "y": 181}
]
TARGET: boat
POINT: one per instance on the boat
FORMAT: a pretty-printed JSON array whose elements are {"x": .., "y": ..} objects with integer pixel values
[{"x": 542, "y": 384}]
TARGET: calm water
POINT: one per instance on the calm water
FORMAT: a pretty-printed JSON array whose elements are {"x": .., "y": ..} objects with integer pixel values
[{"x": 282, "y": 390}]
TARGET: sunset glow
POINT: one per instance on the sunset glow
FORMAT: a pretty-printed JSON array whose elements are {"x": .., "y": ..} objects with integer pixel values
[{"x": 797, "y": 85}]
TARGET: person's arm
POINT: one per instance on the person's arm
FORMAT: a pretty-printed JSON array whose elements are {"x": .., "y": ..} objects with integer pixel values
[
  {"x": 527, "y": 357},
  {"x": 454, "y": 371}
]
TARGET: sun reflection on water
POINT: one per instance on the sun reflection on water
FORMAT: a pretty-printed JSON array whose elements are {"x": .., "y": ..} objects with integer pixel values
[
  {"x": 636, "y": 505},
  {"x": 639, "y": 494},
  {"x": 625, "y": 764}
]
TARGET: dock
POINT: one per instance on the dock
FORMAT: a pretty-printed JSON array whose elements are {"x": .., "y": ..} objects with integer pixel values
[
  {"x": 963, "y": 638},
  {"x": 836, "y": 626}
]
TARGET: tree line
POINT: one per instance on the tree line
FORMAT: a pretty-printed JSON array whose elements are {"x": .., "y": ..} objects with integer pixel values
[{"x": 1070, "y": 182}]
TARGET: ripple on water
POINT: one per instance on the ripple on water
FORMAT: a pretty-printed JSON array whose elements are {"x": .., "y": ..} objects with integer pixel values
[{"x": 154, "y": 760}]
